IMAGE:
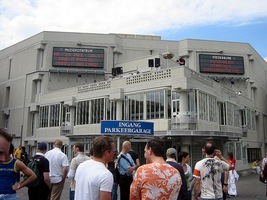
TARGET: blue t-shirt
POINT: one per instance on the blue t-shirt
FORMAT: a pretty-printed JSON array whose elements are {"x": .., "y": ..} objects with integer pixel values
[{"x": 8, "y": 176}]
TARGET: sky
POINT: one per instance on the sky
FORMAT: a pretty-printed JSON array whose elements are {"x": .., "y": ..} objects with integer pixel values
[{"x": 222, "y": 20}]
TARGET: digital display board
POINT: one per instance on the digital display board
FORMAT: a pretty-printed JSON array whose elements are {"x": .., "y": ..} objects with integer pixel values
[
  {"x": 78, "y": 57},
  {"x": 221, "y": 64}
]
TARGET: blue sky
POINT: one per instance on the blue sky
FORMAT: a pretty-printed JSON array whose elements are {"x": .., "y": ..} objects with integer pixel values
[
  {"x": 254, "y": 34},
  {"x": 235, "y": 20}
]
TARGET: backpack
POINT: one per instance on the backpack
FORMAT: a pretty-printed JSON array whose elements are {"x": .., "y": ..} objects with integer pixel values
[
  {"x": 264, "y": 172},
  {"x": 33, "y": 166}
]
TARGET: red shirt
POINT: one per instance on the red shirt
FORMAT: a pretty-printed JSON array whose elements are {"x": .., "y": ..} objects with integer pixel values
[{"x": 232, "y": 162}]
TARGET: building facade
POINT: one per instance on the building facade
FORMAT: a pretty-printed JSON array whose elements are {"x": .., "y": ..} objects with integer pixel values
[{"x": 62, "y": 85}]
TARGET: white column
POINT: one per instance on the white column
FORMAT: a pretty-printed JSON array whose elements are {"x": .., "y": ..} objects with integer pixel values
[
  {"x": 118, "y": 109},
  {"x": 183, "y": 102}
]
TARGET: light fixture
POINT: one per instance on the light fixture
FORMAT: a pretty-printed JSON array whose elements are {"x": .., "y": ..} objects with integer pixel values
[{"x": 168, "y": 55}]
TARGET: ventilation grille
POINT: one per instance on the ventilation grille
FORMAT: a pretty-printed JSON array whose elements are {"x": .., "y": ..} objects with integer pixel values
[
  {"x": 95, "y": 86},
  {"x": 148, "y": 77}
]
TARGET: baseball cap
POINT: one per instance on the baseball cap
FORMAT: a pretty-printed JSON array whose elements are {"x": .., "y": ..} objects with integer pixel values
[
  {"x": 171, "y": 151},
  {"x": 42, "y": 146}
]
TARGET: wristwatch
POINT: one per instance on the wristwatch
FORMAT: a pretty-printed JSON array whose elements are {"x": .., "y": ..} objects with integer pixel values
[{"x": 225, "y": 184}]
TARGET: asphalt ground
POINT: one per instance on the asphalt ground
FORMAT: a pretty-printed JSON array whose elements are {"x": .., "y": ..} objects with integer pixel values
[{"x": 248, "y": 188}]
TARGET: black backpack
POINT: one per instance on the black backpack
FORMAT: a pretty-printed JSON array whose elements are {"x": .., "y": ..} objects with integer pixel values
[
  {"x": 33, "y": 166},
  {"x": 264, "y": 172}
]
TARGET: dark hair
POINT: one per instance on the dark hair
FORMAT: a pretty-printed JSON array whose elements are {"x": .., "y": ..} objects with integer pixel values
[
  {"x": 102, "y": 144},
  {"x": 230, "y": 155},
  {"x": 210, "y": 147},
  {"x": 182, "y": 155},
  {"x": 11, "y": 149},
  {"x": 79, "y": 146},
  {"x": 5, "y": 135},
  {"x": 23, "y": 148},
  {"x": 157, "y": 145}
]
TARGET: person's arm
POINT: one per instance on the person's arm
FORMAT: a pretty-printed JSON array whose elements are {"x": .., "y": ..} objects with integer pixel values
[
  {"x": 196, "y": 188},
  {"x": 137, "y": 163},
  {"x": 73, "y": 167},
  {"x": 20, "y": 166},
  {"x": 47, "y": 178},
  {"x": 65, "y": 172},
  {"x": 105, "y": 195},
  {"x": 219, "y": 155}
]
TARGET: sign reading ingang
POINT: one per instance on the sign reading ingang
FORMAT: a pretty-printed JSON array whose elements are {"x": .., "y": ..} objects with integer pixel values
[{"x": 127, "y": 127}]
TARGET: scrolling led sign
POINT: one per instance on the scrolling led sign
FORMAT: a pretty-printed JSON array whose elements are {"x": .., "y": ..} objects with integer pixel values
[
  {"x": 221, "y": 64},
  {"x": 78, "y": 57}
]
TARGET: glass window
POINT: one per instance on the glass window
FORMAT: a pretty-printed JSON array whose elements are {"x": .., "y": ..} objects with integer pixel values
[
  {"x": 134, "y": 106},
  {"x": 97, "y": 108},
  {"x": 203, "y": 106},
  {"x": 54, "y": 115},
  {"x": 82, "y": 110},
  {"x": 43, "y": 116},
  {"x": 254, "y": 154},
  {"x": 155, "y": 104}
]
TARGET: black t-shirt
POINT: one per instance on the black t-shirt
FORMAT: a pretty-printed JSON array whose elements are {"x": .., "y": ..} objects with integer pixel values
[
  {"x": 42, "y": 164},
  {"x": 134, "y": 156}
]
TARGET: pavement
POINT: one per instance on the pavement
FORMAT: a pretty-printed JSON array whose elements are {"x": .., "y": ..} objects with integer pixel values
[{"x": 248, "y": 188}]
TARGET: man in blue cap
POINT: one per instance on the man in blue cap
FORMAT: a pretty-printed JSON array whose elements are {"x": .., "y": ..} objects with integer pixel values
[{"x": 41, "y": 191}]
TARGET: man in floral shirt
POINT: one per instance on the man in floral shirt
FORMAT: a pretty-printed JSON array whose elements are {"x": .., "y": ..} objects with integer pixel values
[{"x": 157, "y": 179}]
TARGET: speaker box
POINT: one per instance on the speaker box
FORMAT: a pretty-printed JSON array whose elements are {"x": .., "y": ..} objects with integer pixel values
[
  {"x": 157, "y": 62},
  {"x": 150, "y": 63},
  {"x": 114, "y": 72},
  {"x": 119, "y": 70}
]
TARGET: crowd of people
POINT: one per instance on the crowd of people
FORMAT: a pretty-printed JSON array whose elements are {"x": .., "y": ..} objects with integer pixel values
[{"x": 166, "y": 174}]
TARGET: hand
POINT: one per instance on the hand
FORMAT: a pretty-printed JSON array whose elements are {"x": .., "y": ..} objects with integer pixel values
[
  {"x": 218, "y": 153},
  {"x": 16, "y": 187},
  {"x": 130, "y": 169}
]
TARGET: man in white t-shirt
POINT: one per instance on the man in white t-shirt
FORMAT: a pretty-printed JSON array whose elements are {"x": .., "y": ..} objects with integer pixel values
[
  {"x": 59, "y": 166},
  {"x": 208, "y": 173},
  {"x": 93, "y": 180}
]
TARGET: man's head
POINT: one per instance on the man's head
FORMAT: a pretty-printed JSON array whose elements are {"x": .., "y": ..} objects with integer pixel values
[
  {"x": 77, "y": 147},
  {"x": 104, "y": 148},
  {"x": 126, "y": 146},
  {"x": 5, "y": 141},
  {"x": 42, "y": 147},
  {"x": 154, "y": 148},
  {"x": 209, "y": 147},
  {"x": 58, "y": 143},
  {"x": 171, "y": 153}
]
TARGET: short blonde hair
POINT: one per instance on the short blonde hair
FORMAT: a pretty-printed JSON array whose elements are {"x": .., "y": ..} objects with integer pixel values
[{"x": 58, "y": 143}]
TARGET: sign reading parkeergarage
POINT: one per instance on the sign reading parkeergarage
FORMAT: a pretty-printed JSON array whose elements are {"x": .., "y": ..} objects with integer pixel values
[
  {"x": 127, "y": 127},
  {"x": 221, "y": 64}
]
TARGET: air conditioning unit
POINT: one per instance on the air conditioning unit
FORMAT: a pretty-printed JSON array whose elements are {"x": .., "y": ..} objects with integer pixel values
[
  {"x": 67, "y": 123},
  {"x": 66, "y": 126}
]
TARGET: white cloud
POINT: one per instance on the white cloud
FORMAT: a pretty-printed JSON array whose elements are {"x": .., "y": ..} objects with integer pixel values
[{"x": 20, "y": 19}]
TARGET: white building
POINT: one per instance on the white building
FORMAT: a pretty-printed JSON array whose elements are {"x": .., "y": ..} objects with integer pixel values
[{"x": 60, "y": 85}]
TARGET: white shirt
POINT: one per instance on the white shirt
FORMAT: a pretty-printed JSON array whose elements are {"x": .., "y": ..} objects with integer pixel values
[
  {"x": 92, "y": 177},
  {"x": 57, "y": 161},
  {"x": 209, "y": 171}
]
